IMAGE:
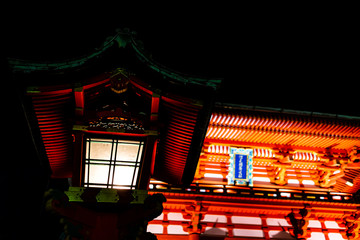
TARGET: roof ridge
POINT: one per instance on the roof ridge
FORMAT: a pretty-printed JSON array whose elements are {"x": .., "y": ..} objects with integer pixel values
[{"x": 233, "y": 106}]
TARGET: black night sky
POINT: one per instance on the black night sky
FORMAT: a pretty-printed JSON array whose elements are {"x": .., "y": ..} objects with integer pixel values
[
  {"x": 272, "y": 58},
  {"x": 302, "y": 60}
]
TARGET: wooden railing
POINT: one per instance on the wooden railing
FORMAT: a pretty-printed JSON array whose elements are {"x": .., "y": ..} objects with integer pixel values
[{"x": 254, "y": 192}]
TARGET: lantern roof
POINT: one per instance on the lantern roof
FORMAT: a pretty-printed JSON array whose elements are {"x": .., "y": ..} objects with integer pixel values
[
  {"x": 77, "y": 95},
  {"x": 123, "y": 49}
]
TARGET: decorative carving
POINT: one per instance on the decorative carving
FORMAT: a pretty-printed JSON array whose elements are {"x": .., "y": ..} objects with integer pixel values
[
  {"x": 280, "y": 175},
  {"x": 196, "y": 211},
  {"x": 117, "y": 116},
  {"x": 354, "y": 154},
  {"x": 120, "y": 80},
  {"x": 335, "y": 164},
  {"x": 117, "y": 123},
  {"x": 352, "y": 224},
  {"x": 285, "y": 159},
  {"x": 326, "y": 171},
  {"x": 299, "y": 219}
]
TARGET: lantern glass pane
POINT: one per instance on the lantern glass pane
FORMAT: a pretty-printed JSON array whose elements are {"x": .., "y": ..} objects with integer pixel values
[{"x": 112, "y": 163}]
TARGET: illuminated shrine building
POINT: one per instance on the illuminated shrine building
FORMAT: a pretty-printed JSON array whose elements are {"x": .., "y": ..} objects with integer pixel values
[
  {"x": 269, "y": 175},
  {"x": 130, "y": 133}
]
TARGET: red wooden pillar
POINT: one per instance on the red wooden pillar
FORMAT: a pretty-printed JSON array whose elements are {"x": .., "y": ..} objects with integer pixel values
[
  {"x": 324, "y": 229},
  {"x": 148, "y": 163},
  {"x": 264, "y": 226},
  {"x": 165, "y": 222},
  {"x": 229, "y": 224},
  {"x": 78, "y": 156},
  {"x": 196, "y": 211},
  {"x": 78, "y": 140},
  {"x": 155, "y": 101},
  {"x": 79, "y": 102}
]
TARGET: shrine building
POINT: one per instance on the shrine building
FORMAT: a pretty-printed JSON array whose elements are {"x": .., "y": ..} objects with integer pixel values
[
  {"x": 147, "y": 152},
  {"x": 268, "y": 174}
]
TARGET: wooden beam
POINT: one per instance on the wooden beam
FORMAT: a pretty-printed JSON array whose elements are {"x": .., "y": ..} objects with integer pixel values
[{"x": 79, "y": 102}]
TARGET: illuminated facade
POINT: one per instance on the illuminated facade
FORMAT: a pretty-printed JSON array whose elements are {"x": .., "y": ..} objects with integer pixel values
[
  {"x": 127, "y": 132},
  {"x": 301, "y": 184}
]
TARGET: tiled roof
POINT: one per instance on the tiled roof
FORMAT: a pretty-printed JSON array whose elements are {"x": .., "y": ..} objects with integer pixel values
[{"x": 284, "y": 129}]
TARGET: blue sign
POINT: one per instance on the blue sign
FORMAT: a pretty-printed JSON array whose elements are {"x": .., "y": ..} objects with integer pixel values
[{"x": 241, "y": 167}]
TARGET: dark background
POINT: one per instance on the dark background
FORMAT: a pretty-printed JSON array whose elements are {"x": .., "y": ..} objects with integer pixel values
[{"x": 273, "y": 56}]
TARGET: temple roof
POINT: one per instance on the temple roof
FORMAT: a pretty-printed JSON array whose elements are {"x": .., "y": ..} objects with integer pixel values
[
  {"x": 314, "y": 141},
  {"x": 272, "y": 127}
]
